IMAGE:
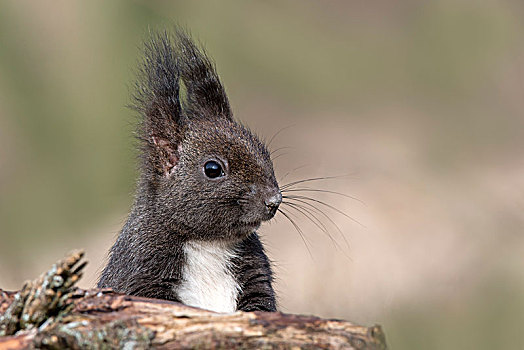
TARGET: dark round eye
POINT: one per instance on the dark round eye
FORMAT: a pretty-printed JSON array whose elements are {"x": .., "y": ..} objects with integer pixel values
[{"x": 213, "y": 169}]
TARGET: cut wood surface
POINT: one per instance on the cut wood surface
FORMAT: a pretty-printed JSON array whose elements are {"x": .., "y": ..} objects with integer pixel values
[{"x": 47, "y": 315}]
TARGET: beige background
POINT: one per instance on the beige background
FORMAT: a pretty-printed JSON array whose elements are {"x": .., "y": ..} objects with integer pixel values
[{"x": 420, "y": 104}]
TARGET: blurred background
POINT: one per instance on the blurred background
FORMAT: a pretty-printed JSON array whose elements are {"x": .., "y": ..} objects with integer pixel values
[{"x": 419, "y": 103}]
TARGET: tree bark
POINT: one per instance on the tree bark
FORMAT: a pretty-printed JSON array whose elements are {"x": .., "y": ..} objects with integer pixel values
[{"x": 96, "y": 319}]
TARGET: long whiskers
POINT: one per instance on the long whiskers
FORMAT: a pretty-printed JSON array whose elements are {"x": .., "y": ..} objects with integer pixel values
[
  {"x": 325, "y": 204},
  {"x": 299, "y": 230},
  {"x": 306, "y": 189},
  {"x": 311, "y": 216},
  {"x": 288, "y": 185},
  {"x": 317, "y": 211},
  {"x": 278, "y": 132},
  {"x": 278, "y": 156},
  {"x": 279, "y": 149},
  {"x": 292, "y": 171},
  {"x": 323, "y": 213}
]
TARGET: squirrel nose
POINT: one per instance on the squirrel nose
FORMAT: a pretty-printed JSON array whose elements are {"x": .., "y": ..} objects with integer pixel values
[{"x": 273, "y": 202}]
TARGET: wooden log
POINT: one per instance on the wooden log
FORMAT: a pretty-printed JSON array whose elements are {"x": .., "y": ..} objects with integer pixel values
[{"x": 97, "y": 319}]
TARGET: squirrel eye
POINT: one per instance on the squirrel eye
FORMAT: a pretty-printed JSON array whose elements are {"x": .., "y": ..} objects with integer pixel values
[{"x": 213, "y": 170}]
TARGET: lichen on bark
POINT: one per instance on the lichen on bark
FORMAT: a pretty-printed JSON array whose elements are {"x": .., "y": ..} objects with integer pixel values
[{"x": 46, "y": 299}]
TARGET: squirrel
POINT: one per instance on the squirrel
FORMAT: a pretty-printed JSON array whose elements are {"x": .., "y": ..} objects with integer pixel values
[{"x": 206, "y": 184}]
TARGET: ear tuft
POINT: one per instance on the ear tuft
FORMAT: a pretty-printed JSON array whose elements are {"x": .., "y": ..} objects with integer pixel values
[
  {"x": 206, "y": 97},
  {"x": 170, "y": 60}
]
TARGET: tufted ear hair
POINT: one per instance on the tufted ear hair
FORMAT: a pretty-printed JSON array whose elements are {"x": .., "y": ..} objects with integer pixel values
[
  {"x": 206, "y": 97},
  {"x": 170, "y": 60},
  {"x": 157, "y": 99}
]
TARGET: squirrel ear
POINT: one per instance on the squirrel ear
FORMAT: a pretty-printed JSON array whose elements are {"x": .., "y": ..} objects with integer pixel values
[
  {"x": 166, "y": 63},
  {"x": 157, "y": 100},
  {"x": 206, "y": 97},
  {"x": 166, "y": 155},
  {"x": 162, "y": 143}
]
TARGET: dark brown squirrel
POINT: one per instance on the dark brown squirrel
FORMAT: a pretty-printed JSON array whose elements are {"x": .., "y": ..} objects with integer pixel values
[{"x": 206, "y": 184}]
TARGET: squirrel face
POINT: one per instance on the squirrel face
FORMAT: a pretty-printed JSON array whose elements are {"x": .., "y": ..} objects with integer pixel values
[
  {"x": 209, "y": 177},
  {"x": 223, "y": 185}
]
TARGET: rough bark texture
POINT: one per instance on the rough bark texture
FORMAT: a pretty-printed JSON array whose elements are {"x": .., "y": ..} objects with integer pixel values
[{"x": 49, "y": 313}]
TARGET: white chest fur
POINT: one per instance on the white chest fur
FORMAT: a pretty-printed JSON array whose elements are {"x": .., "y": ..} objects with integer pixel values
[{"x": 207, "y": 280}]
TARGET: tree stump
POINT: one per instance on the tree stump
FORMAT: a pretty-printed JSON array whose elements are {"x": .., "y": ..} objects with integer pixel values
[{"x": 51, "y": 313}]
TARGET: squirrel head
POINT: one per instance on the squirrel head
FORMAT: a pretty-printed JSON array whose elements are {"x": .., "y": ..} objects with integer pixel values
[{"x": 204, "y": 175}]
